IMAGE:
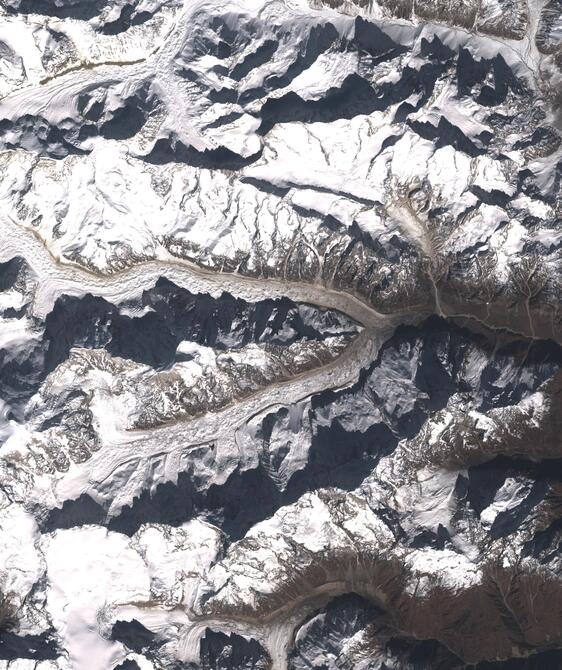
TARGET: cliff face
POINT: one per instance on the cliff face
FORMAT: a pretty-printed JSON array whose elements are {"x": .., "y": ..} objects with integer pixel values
[{"x": 280, "y": 335}]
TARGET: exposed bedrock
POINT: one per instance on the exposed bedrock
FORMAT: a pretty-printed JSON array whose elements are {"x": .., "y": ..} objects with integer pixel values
[
  {"x": 409, "y": 395},
  {"x": 280, "y": 335},
  {"x": 110, "y": 20},
  {"x": 504, "y": 18},
  {"x": 147, "y": 331},
  {"x": 350, "y": 632},
  {"x": 374, "y": 215},
  {"x": 490, "y": 612},
  {"x": 168, "y": 355}
]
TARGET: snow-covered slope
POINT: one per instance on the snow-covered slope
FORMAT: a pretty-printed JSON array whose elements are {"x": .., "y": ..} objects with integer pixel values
[{"x": 280, "y": 334}]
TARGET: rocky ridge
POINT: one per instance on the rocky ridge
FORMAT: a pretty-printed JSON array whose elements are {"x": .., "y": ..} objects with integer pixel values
[{"x": 280, "y": 335}]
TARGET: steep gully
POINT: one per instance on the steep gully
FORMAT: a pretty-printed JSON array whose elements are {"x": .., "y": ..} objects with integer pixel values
[{"x": 170, "y": 441}]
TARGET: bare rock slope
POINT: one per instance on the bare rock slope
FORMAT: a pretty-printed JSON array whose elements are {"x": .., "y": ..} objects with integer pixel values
[{"x": 280, "y": 335}]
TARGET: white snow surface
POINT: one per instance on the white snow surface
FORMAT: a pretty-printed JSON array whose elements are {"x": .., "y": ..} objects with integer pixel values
[{"x": 109, "y": 219}]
